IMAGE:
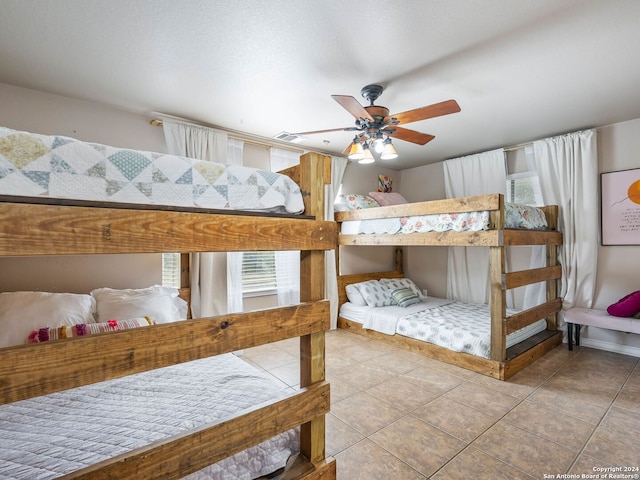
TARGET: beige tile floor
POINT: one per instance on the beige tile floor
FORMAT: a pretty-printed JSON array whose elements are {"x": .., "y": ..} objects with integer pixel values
[{"x": 399, "y": 415}]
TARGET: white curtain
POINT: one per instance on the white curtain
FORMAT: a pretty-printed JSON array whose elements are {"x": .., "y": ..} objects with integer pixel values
[
  {"x": 287, "y": 262},
  {"x": 468, "y": 267},
  {"x": 208, "y": 270},
  {"x": 567, "y": 167},
  {"x": 338, "y": 167},
  {"x": 288, "y": 277},
  {"x": 281, "y": 158}
]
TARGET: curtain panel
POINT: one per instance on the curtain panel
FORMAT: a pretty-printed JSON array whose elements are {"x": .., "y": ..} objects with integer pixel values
[
  {"x": 568, "y": 168},
  {"x": 468, "y": 267}
]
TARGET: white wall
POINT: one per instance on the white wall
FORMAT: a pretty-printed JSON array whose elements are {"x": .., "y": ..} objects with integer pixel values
[
  {"x": 33, "y": 111},
  {"x": 618, "y": 266},
  {"x": 364, "y": 179},
  {"x": 426, "y": 266}
]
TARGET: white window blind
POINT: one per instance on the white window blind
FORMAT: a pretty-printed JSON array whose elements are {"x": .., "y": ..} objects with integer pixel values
[
  {"x": 258, "y": 272},
  {"x": 171, "y": 270}
]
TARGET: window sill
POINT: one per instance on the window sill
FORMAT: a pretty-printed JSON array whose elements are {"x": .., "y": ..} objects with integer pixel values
[{"x": 260, "y": 293}]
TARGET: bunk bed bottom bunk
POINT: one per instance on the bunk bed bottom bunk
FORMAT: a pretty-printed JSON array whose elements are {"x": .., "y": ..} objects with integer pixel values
[
  {"x": 539, "y": 339},
  {"x": 59, "y": 433}
]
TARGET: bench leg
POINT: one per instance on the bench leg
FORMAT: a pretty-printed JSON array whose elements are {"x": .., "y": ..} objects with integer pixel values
[
  {"x": 570, "y": 335},
  {"x": 577, "y": 328}
]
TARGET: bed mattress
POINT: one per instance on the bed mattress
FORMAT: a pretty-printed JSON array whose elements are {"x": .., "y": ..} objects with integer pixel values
[
  {"x": 48, "y": 436},
  {"x": 52, "y": 166},
  {"x": 458, "y": 326},
  {"x": 516, "y": 216}
]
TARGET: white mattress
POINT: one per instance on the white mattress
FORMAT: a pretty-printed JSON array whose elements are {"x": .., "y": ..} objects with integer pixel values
[
  {"x": 458, "y": 326},
  {"x": 48, "y": 436}
]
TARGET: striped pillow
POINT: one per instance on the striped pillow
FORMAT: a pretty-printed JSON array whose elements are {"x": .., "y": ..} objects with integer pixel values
[
  {"x": 405, "y": 297},
  {"x": 66, "y": 331}
]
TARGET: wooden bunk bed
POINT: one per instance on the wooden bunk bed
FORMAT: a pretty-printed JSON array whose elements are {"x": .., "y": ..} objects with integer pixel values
[
  {"x": 35, "y": 227},
  {"x": 502, "y": 362}
]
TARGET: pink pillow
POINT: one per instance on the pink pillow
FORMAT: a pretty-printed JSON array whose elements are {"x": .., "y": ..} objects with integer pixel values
[
  {"x": 627, "y": 306},
  {"x": 388, "y": 198}
]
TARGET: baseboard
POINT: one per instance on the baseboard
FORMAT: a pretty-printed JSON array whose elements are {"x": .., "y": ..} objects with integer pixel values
[{"x": 610, "y": 347}]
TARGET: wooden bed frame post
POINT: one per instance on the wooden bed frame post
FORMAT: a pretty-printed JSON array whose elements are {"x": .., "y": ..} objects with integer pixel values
[
  {"x": 497, "y": 305},
  {"x": 314, "y": 171},
  {"x": 552, "y": 260},
  {"x": 497, "y": 300}
]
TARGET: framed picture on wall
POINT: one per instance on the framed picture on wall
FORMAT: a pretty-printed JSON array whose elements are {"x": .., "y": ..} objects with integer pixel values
[{"x": 620, "y": 209}]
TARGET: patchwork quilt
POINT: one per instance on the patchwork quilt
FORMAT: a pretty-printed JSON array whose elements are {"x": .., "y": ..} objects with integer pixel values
[
  {"x": 33, "y": 165},
  {"x": 48, "y": 436}
]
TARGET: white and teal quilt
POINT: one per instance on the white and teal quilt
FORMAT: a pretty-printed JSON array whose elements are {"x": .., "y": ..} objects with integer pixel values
[{"x": 54, "y": 166}]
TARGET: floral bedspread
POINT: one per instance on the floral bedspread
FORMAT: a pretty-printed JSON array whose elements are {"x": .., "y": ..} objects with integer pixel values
[{"x": 516, "y": 216}]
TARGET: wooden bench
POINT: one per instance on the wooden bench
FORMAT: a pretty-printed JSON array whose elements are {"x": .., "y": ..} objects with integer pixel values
[{"x": 576, "y": 317}]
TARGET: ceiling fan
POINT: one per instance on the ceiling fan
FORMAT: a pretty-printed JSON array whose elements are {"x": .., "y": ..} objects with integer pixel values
[{"x": 374, "y": 126}]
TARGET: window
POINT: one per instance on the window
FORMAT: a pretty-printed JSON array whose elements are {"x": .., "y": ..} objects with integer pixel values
[
  {"x": 258, "y": 272},
  {"x": 523, "y": 184},
  {"x": 524, "y": 188},
  {"x": 171, "y": 270}
]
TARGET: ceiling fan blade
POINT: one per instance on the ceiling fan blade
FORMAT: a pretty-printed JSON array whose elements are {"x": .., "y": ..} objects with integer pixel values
[
  {"x": 352, "y": 106},
  {"x": 431, "y": 111},
  {"x": 325, "y": 131},
  {"x": 411, "y": 136}
]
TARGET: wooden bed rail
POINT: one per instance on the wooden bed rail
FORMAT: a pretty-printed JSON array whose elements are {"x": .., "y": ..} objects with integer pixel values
[
  {"x": 447, "y": 205},
  {"x": 27, "y": 230},
  {"x": 31, "y": 370},
  {"x": 196, "y": 449}
]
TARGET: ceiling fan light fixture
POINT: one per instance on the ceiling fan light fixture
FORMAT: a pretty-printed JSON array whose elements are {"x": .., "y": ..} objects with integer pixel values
[
  {"x": 356, "y": 152},
  {"x": 378, "y": 142},
  {"x": 388, "y": 152},
  {"x": 367, "y": 155}
]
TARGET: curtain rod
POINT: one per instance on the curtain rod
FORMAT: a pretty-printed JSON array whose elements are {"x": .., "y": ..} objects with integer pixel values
[
  {"x": 157, "y": 122},
  {"x": 520, "y": 146}
]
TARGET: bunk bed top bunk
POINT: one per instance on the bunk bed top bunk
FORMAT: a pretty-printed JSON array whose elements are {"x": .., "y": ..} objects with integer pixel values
[
  {"x": 485, "y": 227},
  {"x": 482, "y": 220},
  {"x": 35, "y": 372}
]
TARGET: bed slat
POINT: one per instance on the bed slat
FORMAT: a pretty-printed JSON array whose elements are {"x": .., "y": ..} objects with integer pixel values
[
  {"x": 527, "y": 317},
  {"x": 485, "y": 238},
  {"x": 528, "y": 277}
]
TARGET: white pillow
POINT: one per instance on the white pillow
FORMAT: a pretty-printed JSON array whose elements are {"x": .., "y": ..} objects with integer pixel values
[
  {"x": 354, "y": 295},
  {"x": 395, "y": 283},
  {"x": 375, "y": 293},
  {"x": 23, "y": 312},
  {"x": 158, "y": 303}
]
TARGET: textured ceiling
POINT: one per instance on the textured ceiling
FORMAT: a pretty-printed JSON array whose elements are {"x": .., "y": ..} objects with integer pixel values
[{"x": 519, "y": 69}]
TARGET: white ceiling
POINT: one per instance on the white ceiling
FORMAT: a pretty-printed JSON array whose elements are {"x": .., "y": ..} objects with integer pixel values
[{"x": 519, "y": 69}]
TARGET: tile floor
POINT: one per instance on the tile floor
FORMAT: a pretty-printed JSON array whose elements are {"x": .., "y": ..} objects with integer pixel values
[{"x": 399, "y": 415}]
